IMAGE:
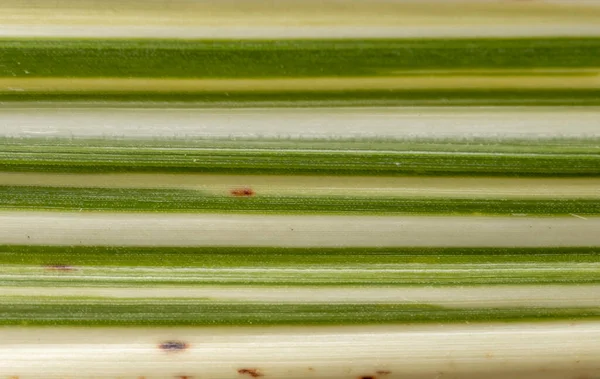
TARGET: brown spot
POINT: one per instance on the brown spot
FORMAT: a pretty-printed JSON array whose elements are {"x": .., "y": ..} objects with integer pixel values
[
  {"x": 311, "y": 369},
  {"x": 173, "y": 346},
  {"x": 367, "y": 377},
  {"x": 59, "y": 268},
  {"x": 184, "y": 376},
  {"x": 253, "y": 372},
  {"x": 383, "y": 372},
  {"x": 242, "y": 192}
]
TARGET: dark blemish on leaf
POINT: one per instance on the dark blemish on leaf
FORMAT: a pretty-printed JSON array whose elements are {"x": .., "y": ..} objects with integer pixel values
[
  {"x": 242, "y": 192},
  {"x": 184, "y": 376},
  {"x": 367, "y": 377},
  {"x": 59, "y": 268},
  {"x": 311, "y": 369},
  {"x": 383, "y": 372},
  {"x": 253, "y": 372},
  {"x": 173, "y": 346}
]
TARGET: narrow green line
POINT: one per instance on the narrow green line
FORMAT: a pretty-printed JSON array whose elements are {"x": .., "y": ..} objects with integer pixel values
[
  {"x": 434, "y": 280},
  {"x": 355, "y": 98},
  {"x": 541, "y": 145},
  {"x": 218, "y": 257}
]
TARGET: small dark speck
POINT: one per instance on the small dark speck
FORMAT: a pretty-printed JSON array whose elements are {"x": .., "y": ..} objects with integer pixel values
[
  {"x": 367, "y": 377},
  {"x": 59, "y": 267},
  {"x": 253, "y": 372}
]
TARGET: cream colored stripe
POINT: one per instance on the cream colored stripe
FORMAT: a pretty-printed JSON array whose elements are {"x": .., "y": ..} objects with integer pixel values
[
  {"x": 86, "y": 85},
  {"x": 545, "y": 350},
  {"x": 451, "y": 296},
  {"x": 530, "y": 188},
  {"x": 133, "y": 229},
  {"x": 297, "y": 12}
]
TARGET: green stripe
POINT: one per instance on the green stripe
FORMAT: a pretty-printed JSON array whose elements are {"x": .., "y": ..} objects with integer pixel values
[
  {"x": 359, "y": 98},
  {"x": 343, "y": 275},
  {"x": 174, "y": 200},
  {"x": 293, "y": 58},
  {"x": 541, "y": 145},
  {"x": 268, "y": 266},
  {"x": 82, "y": 159},
  {"x": 221, "y": 257},
  {"x": 167, "y": 312}
]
